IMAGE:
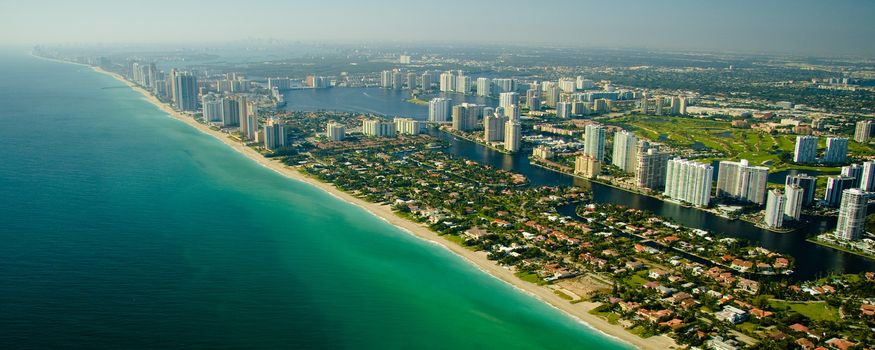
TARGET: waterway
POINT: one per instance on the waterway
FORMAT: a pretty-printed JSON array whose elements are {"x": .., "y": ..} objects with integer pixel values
[{"x": 827, "y": 260}]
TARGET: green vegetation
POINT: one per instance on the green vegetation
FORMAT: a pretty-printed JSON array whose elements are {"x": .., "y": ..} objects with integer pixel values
[
  {"x": 531, "y": 277},
  {"x": 818, "y": 311},
  {"x": 611, "y": 317}
]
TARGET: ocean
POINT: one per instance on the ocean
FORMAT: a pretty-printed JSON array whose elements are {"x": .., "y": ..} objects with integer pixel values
[{"x": 124, "y": 228}]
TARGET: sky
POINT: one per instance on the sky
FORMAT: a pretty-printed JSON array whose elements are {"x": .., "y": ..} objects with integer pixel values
[{"x": 824, "y": 27}]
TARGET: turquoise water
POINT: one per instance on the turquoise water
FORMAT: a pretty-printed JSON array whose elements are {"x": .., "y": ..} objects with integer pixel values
[{"x": 123, "y": 228}]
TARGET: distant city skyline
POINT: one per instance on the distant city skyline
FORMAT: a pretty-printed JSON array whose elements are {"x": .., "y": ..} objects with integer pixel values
[{"x": 841, "y": 27}]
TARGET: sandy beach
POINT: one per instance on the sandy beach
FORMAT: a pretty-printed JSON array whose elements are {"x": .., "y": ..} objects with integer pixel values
[{"x": 580, "y": 311}]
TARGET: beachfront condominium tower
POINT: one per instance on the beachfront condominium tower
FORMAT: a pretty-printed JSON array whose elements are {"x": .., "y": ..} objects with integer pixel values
[
  {"x": 507, "y": 99},
  {"x": 741, "y": 181},
  {"x": 836, "y": 150},
  {"x": 855, "y": 171},
  {"x": 484, "y": 87},
  {"x": 335, "y": 131},
  {"x": 793, "y": 207},
  {"x": 650, "y": 170},
  {"x": 806, "y": 150},
  {"x": 808, "y": 184},
  {"x": 774, "y": 215},
  {"x": 212, "y": 108},
  {"x": 186, "y": 92},
  {"x": 625, "y": 151},
  {"x": 439, "y": 110},
  {"x": 867, "y": 177},
  {"x": 863, "y": 131},
  {"x": 512, "y": 136},
  {"x": 852, "y": 215},
  {"x": 378, "y": 128},
  {"x": 688, "y": 181},
  {"x": 594, "y": 143},
  {"x": 835, "y": 188},
  {"x": 274, "y": 135},
  {"x": 465, "y": 116},
  {"x": 230, "y": 112}
]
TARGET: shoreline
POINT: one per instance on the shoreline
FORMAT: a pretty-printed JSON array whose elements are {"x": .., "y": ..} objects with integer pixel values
[{"x": 578, "y": 311}]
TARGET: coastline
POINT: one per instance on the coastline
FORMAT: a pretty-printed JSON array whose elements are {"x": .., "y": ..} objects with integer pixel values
[{"x": 578, "y": 311}]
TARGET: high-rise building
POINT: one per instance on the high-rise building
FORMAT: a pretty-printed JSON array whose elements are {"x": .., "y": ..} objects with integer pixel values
[
  {"x": 625, "y": 151},
  {"x": 425, "y": 81},
  {"x": 378, "y": 128},
  {"x": 774, "y": 215},
  {"x": 484, "y": 87},
  {"x": 230, "y": 111},
  {"x": 835, "y": 187},
  {"x": 852, "y": 215},
  {"x": 867, "y": 177},
  {"x": 439, "y": 110},
  {"x": 248, "y": 118},
  {"x": 386, "y": 79},
  {"x": 409, "y": 126},
  {"x": 504, "y": 85},
  {"x": 335, "y": 131},
  {"x": 542, "y": 152},
  {"x": 650, "y": 170},
  {"x": 465, "y": 116},
  {"x": 644, "y": 103},
  {"x": 587, "y": 166},
  {"x": 594, "y": 143},
  {"x": 512, "y": 136},
  {"x": 659, "y": 104},
  {"x": 682, "y": 105},
  {"x": 563, "y": 110},
  {"x": 398, "y": 80},
  {"x": 689, "y": 181},
  {"x": 836, "y": 150},
  {"x": 854, "y": 171},
  {"x": 807, "y": 182},
  {"x": 463, "y": 84},
  {"x": 551, "y": 95},
  {"x": 741, "y": 181},
  {"x": 186, "y": 89},
  {"x": 212, "y": 108},
  {"x": 410, "y": 81},
  {"x": 863, "y": 131},
  {"x": 274, "y": 135},
  {"x": 806, "y": 150},
  {"x": 675, "y": 105},
  {"x": 493, "y": 127},
  {"x": 583, "y": 83},
  {"x": 567, "y": 85},
  {"x": 447, "y": 82},
  {"x": 533, "y": 99},
  {"x": 793, "y": 207},
  {"x": 507, "y": 99}
]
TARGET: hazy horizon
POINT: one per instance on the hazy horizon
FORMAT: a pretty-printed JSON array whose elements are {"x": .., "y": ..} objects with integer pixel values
[{"x": 800, "y": 27}]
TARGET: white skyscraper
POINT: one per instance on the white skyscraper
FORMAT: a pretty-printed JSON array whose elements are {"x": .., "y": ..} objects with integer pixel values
[
  {"x": 274, "y": 135},
  {"x": 567, "y": 85},
  {"x": 806, "y": 149},
  {"x": 493, "y": 127},
  {"x": 836, "y": 150},
  {"x": 463, "y": 84},
  {"x": 563, "y": 110},
  {"x": 689, "y": 181},
  {"x": 867, "y": 178},
  {"x": 447, "y": 82},
  {"x": 484, "y": 87},
  {"x": 650, "y": 170},
  {"x": 378, "y": 128},
  {"x": 625, "y": 151},
  {"x": 408, "y": 126},
  {"x": 742, "y": 181},
  {"x": 774, "y": 216},
  {"x": 335, "y": 131},
  {"x": 439, "y": 110},
  {"x": 854, "y": 171},
  {"x": 594, "y": 144},
  {"x": 512, "y": 136},
  {"x": 863, "y": 131},
  {"x": 795, "y": 197},
  {"x": 507, "y": 99},
  {"x": 852, "y": 215}
]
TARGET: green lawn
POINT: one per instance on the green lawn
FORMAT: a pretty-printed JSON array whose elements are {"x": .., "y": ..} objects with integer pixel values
[
  {"x": 636, "y": 280},
  {"x": 756, "y": 146},
  {"x": 531, "y": 278},
  {"x": 818, "y": 311}
]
